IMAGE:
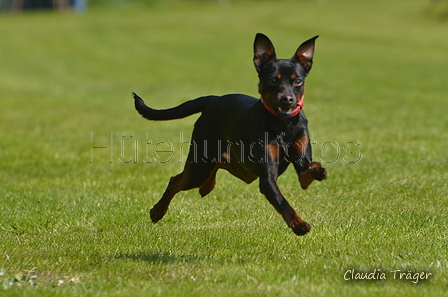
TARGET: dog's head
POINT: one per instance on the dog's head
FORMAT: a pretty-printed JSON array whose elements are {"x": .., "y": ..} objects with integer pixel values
[{"x": 282, "y": 81}]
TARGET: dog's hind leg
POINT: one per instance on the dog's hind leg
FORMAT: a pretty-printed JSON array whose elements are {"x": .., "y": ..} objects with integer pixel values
[
  {"x": 160, "y": 209},
  {"x": 193, "y": 176},
  {"x": 209, "y": 184}
]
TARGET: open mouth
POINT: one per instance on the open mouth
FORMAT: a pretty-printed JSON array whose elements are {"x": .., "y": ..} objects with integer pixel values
[{"x": 285, "y": 110}]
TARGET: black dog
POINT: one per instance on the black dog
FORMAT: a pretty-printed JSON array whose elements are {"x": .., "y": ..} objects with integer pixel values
[{"x": 249, "y": 137}]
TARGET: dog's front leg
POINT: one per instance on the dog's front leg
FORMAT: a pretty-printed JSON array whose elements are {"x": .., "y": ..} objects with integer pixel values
[
  {"x": 268, "y": 173},
  {"x": 300, "y": 154},
  {"x": 315, "y": 171},
  {"x": 269, "y": 188}
]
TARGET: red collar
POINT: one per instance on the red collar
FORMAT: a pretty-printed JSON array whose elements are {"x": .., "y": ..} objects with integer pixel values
[{"x": 294, "y": 112}]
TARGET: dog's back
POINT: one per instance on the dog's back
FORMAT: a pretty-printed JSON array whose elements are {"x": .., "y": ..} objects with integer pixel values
[{"x": 226, "y": 111}]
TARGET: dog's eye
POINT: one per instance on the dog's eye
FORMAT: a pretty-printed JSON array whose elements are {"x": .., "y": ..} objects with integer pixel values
[
  {"x": 298, "y": 82},
  {"x": 273, "y": 81}
]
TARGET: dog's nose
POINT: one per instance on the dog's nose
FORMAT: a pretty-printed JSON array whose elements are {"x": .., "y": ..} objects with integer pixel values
[{"x": 288, "y": 99}]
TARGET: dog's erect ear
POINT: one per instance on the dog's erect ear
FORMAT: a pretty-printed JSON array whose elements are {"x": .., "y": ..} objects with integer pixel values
[
  {"x": 263, "y": 51},
  {"x": 304, "y": 54}
]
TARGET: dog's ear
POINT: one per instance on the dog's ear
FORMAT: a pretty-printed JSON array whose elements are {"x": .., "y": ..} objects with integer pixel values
[
  {"x": 263, "y": 51},
  {"x": 304, "y": 54}
]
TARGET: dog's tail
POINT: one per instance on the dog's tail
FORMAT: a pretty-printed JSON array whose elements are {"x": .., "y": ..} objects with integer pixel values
[{"x": 185, "y": 109}]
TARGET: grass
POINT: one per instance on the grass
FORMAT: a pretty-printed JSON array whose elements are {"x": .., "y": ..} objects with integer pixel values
[{"x": 72, "y": 223}]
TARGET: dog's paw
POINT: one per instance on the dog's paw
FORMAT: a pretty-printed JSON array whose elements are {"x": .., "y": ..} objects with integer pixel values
[
  {"x": 156, "y": 215},
  {"x": 301, "y": 229},
  {"x": 317, "y": 171}
]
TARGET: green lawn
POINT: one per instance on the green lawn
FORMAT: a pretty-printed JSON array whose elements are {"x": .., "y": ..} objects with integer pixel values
[{"x": 75, "y": 217}]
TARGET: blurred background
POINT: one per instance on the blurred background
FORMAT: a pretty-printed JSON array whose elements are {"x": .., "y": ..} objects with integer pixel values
[
  {"x": 25, "y": 5},
  {"x": 439, "y": 7}
]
